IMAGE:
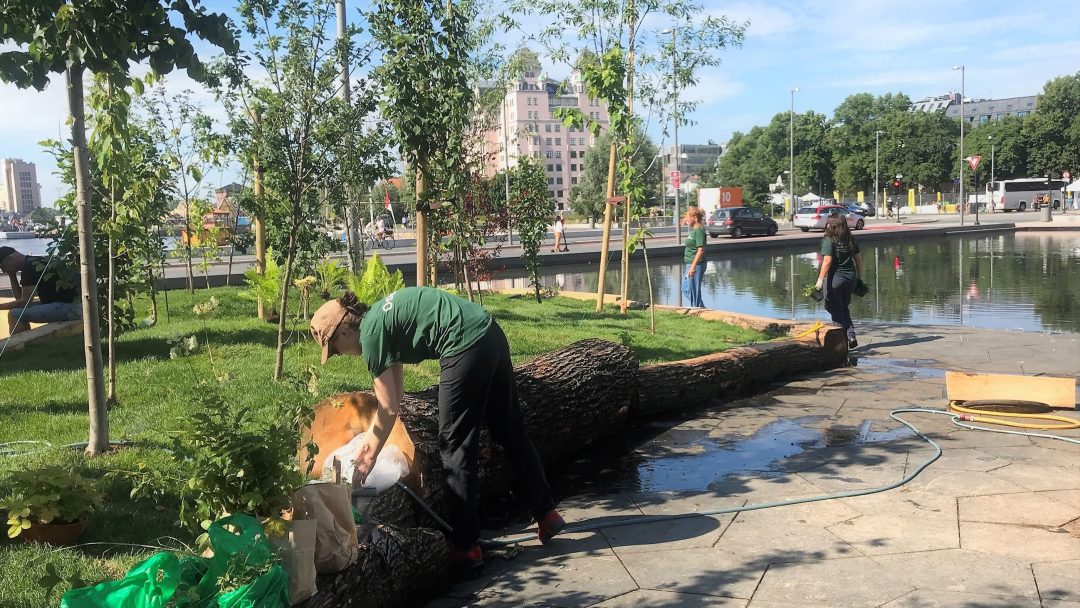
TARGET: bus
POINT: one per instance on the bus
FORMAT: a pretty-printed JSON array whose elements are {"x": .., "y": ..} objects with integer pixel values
[{"x": 1023, "y": 194}]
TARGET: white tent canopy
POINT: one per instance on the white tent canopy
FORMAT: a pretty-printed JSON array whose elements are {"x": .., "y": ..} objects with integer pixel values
[
  {"x": 1073, "y": 187},
  {"x": 810, "y": 197}
]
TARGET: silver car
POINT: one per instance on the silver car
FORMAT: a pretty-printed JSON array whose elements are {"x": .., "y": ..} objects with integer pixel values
[{"x": 815, "y": 217}]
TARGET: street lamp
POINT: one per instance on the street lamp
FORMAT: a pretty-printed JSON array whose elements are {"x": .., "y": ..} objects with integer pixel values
[
  {"x": 675, "y": 119},
  {"x": 961, "y": 68},
  {"x": 877, "y": 169},
  {"x": 791, "y": 155},
  {"x": 992, "y": 185},
  {"x": 899, "y": 176}
]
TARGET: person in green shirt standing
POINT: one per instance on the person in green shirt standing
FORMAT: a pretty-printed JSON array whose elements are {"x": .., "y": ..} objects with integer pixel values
[
  {"x": 476, "y": 385},
  {"x": 841, "y": 268},
  {"x": 694, "y": 257}
]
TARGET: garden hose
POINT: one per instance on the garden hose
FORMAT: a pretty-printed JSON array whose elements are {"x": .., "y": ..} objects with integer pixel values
[
  {"x": 981, "y": 411},
  {"x": 957, "y": 419},
  {"x": 816, "y": 326}
]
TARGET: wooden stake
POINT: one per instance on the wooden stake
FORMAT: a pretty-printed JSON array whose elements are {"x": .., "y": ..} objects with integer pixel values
[{"x": 607, "y": 229}]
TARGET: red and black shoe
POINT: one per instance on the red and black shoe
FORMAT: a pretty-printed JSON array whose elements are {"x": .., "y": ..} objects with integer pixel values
[
  {"x": 465, "y": 564},
  {"x": 549, "y": 525}
]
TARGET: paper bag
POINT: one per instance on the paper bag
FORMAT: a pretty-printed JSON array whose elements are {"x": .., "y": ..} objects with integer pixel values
[
  {"x": 297, "y": 553},
  {"x": 330, "y": 505}
]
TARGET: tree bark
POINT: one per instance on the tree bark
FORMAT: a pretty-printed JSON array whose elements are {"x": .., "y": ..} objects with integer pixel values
[
  {"x": 283, "y": 302},
  {"x": 98, "y": 441},
  {"x": 110, "y": 393}
]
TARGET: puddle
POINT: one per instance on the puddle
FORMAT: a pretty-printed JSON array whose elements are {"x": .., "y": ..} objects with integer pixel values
[
  {"x": 917, "y": 368},
  {"x": 651, "y": 459}
]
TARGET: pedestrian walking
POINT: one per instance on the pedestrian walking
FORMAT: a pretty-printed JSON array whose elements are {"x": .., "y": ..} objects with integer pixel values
[
  {"x": 841, "y": 268},
  {"x": 694, "y": 255}
]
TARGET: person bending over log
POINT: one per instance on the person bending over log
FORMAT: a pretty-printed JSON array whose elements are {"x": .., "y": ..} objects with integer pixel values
[{"x": 476, "y": 385}]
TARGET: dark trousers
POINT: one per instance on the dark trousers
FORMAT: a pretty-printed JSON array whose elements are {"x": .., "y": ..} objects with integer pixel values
[
  {"x": 478, "y": 386},
  {"x": 838, "y": 292}
]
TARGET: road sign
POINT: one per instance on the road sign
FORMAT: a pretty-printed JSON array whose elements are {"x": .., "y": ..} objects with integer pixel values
[
  {"x": 674, "y": 180},
  {"x": 675, "y": 175},
  {"x": 973, "y": 161}
]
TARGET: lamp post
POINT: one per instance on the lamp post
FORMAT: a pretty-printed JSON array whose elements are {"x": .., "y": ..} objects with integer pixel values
[
  {"x": 899, "y": 176},
  {"x": 675, "y": 119},
  {"x": 991, "y": 138},
  {"x": 961, "y": 68},
  {"x": 877, "y": 170},
  {"x": 791, "y": 155}
]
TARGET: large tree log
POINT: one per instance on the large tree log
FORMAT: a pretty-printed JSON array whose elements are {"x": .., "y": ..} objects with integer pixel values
[
  {"x": 696, "y": 383},
  {"x": 570, "y": 398}
]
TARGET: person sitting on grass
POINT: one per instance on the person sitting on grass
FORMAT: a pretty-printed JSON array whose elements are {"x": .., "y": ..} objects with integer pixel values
[{"x": 57, "y": 298}]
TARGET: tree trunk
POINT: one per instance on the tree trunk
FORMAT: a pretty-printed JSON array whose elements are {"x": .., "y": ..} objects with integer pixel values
[
  {"x": 421, "y": 229},
  {"x": 605, "y": 241},
  {"x": 696, "y": 383},
  {"x": 283, "y": 302},
  {"x": 110, "y": 393},
  {"x": 257, "y": 221},
  {"x": 588, "y": 391},
  {"x": 98, "y": 441}
]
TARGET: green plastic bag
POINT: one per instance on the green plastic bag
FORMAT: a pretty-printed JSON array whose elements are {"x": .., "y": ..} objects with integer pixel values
[
  {"x": 164, "y": 580},
  {"x": 150, "y": 584}
]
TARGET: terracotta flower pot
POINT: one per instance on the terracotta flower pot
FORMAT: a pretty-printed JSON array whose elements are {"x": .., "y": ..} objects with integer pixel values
[{"x": 58, "y": 535}]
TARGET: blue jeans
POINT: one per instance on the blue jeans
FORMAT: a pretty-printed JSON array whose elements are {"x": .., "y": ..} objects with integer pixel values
[
  {"x": 47, "y": 313},
  {"x": 838, "y": 292},
  {"x": 691, "y": 287}
]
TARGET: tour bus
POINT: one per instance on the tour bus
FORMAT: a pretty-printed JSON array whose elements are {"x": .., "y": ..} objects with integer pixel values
[{"x": 1023, "y": 194}]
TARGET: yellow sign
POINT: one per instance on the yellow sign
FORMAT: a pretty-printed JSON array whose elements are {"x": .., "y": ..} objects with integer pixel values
[
  {"x": 862, "y": 196},
  {"x": 939, "y": 197},
  {"x": 836, "y": 195},
  {"x": 911, "y": 197}
]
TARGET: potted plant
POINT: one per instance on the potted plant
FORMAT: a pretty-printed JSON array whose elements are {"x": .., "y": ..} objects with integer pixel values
[{"x": 49, "y": 504}]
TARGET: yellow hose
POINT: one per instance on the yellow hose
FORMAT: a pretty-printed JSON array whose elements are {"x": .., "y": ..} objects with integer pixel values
[
  {"x": 813, "y": 328},
  {"x": 971, "y": 415}
]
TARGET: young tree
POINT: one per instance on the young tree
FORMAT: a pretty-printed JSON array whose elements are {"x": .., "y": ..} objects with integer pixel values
[
  {"x": 531, "y": 204},
  {"x": 428, "y": 99},
  {"x": 192, "y": 147},
  {"x": 609, "y": 70},
  {"x": 302, "y": 124},
  {"x": 587, "y": 197},
  {"x": 105, "y": 37}
]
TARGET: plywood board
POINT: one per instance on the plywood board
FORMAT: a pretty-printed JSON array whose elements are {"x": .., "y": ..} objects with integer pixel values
[{"x": 1053, "y": 391}]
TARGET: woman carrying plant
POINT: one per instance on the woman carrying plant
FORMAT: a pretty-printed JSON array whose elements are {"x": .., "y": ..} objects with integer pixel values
[
  {"x": 841, "y": 268},
  {"x": 476, "y": 385},
  {"x": 694, "y": 255}
]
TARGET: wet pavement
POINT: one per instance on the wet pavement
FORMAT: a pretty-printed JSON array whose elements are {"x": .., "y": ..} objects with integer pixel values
[{"x": 994, "y": 522}]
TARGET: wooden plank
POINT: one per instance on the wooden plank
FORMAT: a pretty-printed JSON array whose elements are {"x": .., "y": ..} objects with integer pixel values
[{"x": 1053, "y": 391}]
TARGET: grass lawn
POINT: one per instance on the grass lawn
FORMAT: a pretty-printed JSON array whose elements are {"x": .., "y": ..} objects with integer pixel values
[{"x": 43, "y": 398}]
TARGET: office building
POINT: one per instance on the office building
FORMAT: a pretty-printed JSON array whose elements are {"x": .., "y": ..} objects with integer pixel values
[
  {"x": 526, "y": 126},
  {"x": 978, "y": 111},
  {"x": 694, "y": 159},
  {"x": 20, "y": 192}
]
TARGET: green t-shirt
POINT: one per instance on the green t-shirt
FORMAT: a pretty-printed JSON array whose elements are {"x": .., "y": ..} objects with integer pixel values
[
  {"x": 694, "y": 240},
  {"x": 843, "y": 258},
  {"x": 419, "y": 323}
]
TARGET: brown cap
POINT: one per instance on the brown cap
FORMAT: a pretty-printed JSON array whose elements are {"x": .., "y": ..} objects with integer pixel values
[{"x": 324, "y": 324}]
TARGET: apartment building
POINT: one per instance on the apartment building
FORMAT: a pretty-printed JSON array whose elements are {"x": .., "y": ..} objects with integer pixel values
[
  {"x": 527, "y": 126},
  {"x": 20, "y": 192}
]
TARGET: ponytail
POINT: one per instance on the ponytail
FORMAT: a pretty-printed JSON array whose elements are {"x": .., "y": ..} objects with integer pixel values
[{"x": 354, "y": 308}]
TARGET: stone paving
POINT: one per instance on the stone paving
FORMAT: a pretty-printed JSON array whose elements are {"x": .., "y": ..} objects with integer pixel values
[{"x": 994, "y": 523}]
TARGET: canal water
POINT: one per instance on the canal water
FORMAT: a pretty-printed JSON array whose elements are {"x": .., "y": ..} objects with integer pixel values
[{"x": 1024, "y": 281}]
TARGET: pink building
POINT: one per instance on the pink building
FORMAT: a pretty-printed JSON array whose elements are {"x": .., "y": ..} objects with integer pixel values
[{"x": 526, "y": 127}]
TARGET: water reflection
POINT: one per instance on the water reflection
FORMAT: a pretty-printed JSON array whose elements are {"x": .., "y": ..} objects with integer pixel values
[{"x": 1026, "y": 281}]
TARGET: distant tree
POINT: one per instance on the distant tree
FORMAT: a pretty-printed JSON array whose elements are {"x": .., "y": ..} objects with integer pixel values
[
  {"x": 1053, "y": 130},
  {"x": 587, "y": 197},
  {"x": 532, "y": 205},
  {"x": 43, "y": 215},
  {"x": 1007, "y": 153}
]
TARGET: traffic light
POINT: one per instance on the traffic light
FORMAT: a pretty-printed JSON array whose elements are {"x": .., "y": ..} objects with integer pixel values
[{"x": 896, "y": 186}]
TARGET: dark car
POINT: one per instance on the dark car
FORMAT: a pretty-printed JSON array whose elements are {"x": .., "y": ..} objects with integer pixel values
[
  {"x": 740, "y": 221},
  {"x": 865, "y": 209}
]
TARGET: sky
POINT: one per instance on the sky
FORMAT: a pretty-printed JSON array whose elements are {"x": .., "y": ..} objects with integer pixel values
[{"x": 828, "y": 49}]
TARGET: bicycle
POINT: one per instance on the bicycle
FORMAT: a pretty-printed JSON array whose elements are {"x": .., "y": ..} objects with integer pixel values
[{"x": 386, "y": 241}]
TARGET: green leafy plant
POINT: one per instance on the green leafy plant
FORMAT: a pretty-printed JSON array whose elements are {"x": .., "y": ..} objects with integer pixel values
[
  {"x": 47, "y": 495},
  {"x": 329, "y": 277},
  {"x": 263, "y": 288},
  {"x": 376, "y": 283},
  {"x": 240, "y": 464}
]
